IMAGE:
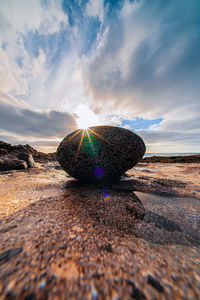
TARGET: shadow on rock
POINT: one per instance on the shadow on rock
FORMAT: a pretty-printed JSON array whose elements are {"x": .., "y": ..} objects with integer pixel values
[
  {"x": 123, "y": 210},
  {"x": 115, "y": 209}
]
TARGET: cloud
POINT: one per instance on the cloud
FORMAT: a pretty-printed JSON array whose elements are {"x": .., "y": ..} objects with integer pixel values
[
  {"x": 125, "y": 60},
  {"x": 25, "y": 121},
  {"x": 95, "y": 8},
  {"x": 47, "y": 17},
  {"x": 150, "y": 60},
  {"x": 27, "y": 28},
  {"x": 170, "y": 141}
]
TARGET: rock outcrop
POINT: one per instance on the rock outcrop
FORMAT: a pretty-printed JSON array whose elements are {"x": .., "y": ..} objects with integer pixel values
[
  {"x": 6, "y": 149},
  {"x": 10, "y": 162}
]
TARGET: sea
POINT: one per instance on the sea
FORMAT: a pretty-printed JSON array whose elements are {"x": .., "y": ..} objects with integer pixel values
[{"x": 169, "y": 154}]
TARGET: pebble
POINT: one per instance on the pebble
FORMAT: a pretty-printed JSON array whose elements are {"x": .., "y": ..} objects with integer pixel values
[
  {"x": 43, "y": 284},
  {"x": 155, "y": 283}
]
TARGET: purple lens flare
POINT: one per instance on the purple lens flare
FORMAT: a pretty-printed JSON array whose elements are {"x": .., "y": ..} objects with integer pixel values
[{"x": 99, "y": 172}]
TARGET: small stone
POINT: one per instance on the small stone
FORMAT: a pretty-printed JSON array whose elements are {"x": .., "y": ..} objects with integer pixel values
[
  {"x": 108, "y": 248},
  {"x": 3, "y": 152},
  {"x": 155, "y": 283},
  {"x": 8, "y": 228},
  {"x": 31, "y": 296},
  {"x": 43, "y": 284},
  {"x": 100, "y": 154},
  {"x": 7, "y": 255},
  {"x": 136, "y": 293},
  {"x": 94, "y": 293}
]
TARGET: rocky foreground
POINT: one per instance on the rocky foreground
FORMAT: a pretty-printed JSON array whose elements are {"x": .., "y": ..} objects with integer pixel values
[{"x": 63, "y": 240}]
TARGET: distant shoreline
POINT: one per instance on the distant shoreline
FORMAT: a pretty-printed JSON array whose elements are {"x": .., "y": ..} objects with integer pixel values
[
  {"x": 183, "y": 158},
  {"x": 167, "y": 154}
]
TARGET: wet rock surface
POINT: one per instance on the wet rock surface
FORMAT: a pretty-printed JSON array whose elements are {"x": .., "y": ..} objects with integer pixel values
[
  {"x": 58, "y": 242},
  {"x": 100, "y": 154}
]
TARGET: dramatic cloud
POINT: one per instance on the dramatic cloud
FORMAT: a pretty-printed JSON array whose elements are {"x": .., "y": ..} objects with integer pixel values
[
  {"x": 27, "y": 29},
  {"x": 134, "y": 64},
  {"x": 149, "y": 63},
  {"x": 95, "y": 8},
  {"x": 19, "y": 118},
  {"x": 158, "y": 141}
]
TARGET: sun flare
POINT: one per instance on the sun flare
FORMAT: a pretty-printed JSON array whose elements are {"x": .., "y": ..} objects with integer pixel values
[{"x": 86, "y": 117}]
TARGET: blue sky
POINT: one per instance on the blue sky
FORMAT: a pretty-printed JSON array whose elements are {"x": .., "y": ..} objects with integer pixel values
[{"x": 66, "y": 64}]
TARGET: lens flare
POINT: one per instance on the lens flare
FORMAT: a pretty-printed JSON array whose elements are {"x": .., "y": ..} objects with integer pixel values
[
  {"x": 99, "y": 171},
  {"x": 89, "y": 139},
  {"x": 79, "y": 147},
  {"x": 98, "y": 135},
  {"x": 73, "y": 136}
]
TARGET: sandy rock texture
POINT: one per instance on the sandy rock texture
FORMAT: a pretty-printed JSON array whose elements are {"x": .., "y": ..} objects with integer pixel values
[{"x": 63, "y": 240}]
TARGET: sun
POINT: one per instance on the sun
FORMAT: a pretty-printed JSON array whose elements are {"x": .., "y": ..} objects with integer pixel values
[{"x": 86, "y": 117}]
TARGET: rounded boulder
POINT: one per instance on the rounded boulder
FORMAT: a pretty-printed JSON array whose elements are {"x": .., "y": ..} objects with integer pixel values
[{"x": 100, "y": 154}]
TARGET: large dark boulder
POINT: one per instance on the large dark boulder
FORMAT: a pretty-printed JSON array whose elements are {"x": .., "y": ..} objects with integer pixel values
[
  {"x": 28, "y": 158},
  {"x": 100, "y": 154},
  {"x": 12, "y": 163}
]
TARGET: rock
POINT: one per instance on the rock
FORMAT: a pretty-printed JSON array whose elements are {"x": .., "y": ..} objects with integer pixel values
[
  {"x": 100, "y": 154},
  {"x": 3, "y": 152},
  {"x": 119, "y": 210},
  {"x": 12, "y": 163},
  {"x": 43, "y": 157},
  {"x": 155, "y": 283},
  {"x": 7, "y": 255},
  {"x": 6, "y": 148},
  {"x": 14, "y": 150},
  {"x": 28, "y": 158}
]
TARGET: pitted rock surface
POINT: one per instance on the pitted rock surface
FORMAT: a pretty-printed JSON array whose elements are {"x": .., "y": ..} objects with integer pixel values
[{"x": 100, "y": 154}]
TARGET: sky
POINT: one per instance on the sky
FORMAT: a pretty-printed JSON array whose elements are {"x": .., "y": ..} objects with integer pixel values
[{"x": 70, "y": 64}]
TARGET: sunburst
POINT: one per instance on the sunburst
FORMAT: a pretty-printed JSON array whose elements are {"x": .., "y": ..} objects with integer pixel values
[
  {"x": 81, "y": 140},
  {"x": 98, "y": 135},
  {"x": 73, "y": 135},
  {"x": 89, "y": 138}
]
